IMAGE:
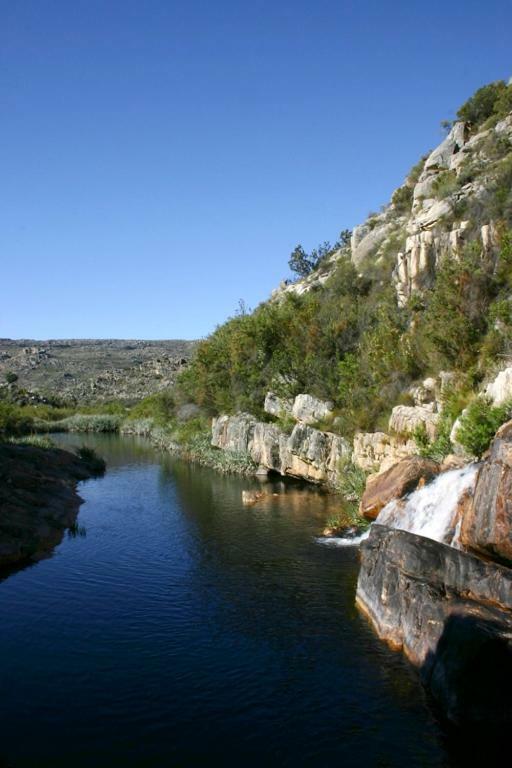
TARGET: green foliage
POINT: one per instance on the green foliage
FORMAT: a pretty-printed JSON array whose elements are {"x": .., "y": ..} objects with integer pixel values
[
  {"x": 94, "y": 463},
  {"x": 159, "y": 407},
  {"x": 81, "y": 422},
  {"x": 13, "y": 420},
  {"x": 492, "y": 100},
  {"x": 352, "y": 480},
  {"x": 10, "y": 377},
  {"x": 303, "y": 263},
  {"x": 478, "y": 425},
  {"x": 455, "y": 319},
  {"x": 40, "y": 441},
  {"x": 445, "y": 184},
  {"x": 402, "y": 199}
]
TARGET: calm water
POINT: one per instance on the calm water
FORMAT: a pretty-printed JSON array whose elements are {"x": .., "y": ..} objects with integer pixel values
[{"x": 187, "y": 630}]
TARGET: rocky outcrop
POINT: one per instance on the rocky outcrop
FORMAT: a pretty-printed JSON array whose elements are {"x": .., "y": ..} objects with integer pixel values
[
  {"x": 38, "y": 499},
  {"x": 278, "y": 406},
  {"x": 500, "y": 389},
  {"x": 306, "y": 453},
  {"x": 451, "y": 614},
  {"x": 378, "y": 451},
  {"x": 487, "y": 522},
  {"x": 309, "y": 409},
  {"x": 394, "y": 483},
  {"x": 406, "y": 419}
]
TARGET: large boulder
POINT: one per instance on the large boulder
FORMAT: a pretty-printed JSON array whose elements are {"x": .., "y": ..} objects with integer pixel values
[
  {"x": 394, "y": 483},
  {"x": 487, "y": 523},
  {"x": 406, "y": 419},
  {"x": 500, "y": 389},
  {"x": 450, "y": 612},
  {"x": 309, "y": 409},
  {"x": 277, "y": 406}
]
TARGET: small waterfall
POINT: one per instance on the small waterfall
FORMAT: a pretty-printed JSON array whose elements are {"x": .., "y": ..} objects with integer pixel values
[{"x": 432, "y": 510}]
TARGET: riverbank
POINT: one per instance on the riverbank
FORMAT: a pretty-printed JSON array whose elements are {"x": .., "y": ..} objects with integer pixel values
[{"x": 38, "y": 498}]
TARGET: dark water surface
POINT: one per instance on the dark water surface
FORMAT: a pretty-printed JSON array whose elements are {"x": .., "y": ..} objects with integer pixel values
[{"x": 186, "y": 630}]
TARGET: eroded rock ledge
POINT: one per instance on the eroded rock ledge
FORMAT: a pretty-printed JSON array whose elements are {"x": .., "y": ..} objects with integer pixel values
[
  {"x": 38, "y": 500},
  {"x": 306, "y": 453}
]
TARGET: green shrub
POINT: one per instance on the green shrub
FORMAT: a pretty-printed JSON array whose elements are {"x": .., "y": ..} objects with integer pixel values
[
  {"x": 352, "y": 480},
  {"x": 14, "y": 420},
  {"x": 492, "y": 100},
  {"x": 10, "y": 377},
  {"x": 478, "y": 425},
  {"x": 94, "y": 463}
]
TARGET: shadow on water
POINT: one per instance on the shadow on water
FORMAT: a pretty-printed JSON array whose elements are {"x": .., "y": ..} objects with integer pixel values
[{"x": 469, "y": 676}]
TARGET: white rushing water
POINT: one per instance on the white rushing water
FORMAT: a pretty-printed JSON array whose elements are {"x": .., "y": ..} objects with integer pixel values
[{"x": 430, "y": 511}]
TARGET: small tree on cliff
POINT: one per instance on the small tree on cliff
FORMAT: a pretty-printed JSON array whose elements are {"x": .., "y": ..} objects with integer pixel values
[{"x": 300, "y": 262}]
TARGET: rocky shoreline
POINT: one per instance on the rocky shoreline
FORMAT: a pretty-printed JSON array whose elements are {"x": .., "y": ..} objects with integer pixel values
[{"x": 38, "y": 500}]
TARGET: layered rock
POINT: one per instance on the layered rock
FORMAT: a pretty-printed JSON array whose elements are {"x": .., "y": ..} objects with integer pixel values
[
  {"x": 451, "y": 614},
  {"x": 378, "y": 451},
  {"x": 306, "y": 453},
  {"x": 406, "y": 419},
  {"x": 309, "y": 409}
]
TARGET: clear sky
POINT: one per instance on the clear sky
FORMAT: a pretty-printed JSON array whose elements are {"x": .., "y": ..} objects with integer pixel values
[{"x": 160, "y": 159}]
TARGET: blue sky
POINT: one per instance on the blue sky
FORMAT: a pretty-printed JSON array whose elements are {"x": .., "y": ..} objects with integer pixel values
[{"x": 160, "y": 160}]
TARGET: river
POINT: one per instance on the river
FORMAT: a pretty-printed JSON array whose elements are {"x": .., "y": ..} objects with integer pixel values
[{"x": 179, "y": 628}]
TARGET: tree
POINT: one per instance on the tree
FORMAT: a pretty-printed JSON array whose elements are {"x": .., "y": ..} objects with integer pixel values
[
  {"x": 10, "y": 377},
  {"x": 300, "y": 262}
]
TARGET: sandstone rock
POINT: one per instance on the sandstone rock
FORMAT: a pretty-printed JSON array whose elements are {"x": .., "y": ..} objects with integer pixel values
[
  {"x": 370, "y": 242},
  {"x": 450, "y": 612},
  {"x": 487, "y": 523},
  {"x": 441, "y": 157},
  {"x": 406, "y": 419},
  {"x": 309, "y": 409},
  {"x": 307, "y": 453},
  {"x": 277, "y": 406},
  {"x": 452, "y": 461},
  {"x": 378, "y": 451},
  {"x": 394, "y": 483},
  {"x": 500, "y": 389}
]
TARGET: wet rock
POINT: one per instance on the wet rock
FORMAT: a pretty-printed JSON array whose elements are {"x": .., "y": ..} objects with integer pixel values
[
  {"x": 487, "y": 523},
  {"x": 394, "y": 483},
  {"x": 449, "y": 611}
]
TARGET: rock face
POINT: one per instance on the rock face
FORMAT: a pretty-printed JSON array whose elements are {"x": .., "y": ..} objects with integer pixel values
[
  {"x": 277, "y": 406},
  {"x": 378, "y": 451},
  {"x": 309, "y": 409},
  {"x": 394, "y": 483},
  {"x": 451, "y": 614},
  {"x": 487, "y": 522},
  {"x": 406, "y": 419},
  {"x": 307, "y": 453},
  {"x": 500, "y": 390}
]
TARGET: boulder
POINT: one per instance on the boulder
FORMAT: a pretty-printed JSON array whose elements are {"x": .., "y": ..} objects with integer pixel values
[
  {"x": 450, "y": 612},
  {"x": 277, "y": 406},
  {"x": 309, "y": 409},
  {"x": 405, "y": 419},
  {"x": 500, "y": 389},
  {"x": 487, "y": 523},
  {"x": 394, "y": 483}
]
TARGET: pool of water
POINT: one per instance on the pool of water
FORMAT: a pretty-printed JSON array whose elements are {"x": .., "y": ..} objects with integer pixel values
[{"x": 184, "y": 629}]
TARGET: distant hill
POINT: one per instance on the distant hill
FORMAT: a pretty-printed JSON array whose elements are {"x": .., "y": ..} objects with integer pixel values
[{"x": 93, "y": 370}]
